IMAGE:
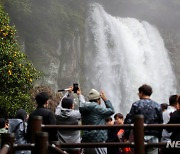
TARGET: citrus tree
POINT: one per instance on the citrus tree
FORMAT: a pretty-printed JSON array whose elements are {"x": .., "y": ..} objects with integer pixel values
[{"x": 17, "y": 73}]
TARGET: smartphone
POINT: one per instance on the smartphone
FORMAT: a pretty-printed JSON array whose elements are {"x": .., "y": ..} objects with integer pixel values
[{"x": 75, "y": 87}]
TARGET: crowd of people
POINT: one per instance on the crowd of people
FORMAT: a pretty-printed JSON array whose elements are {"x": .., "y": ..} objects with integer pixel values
[{"x": 92, "y": 112}]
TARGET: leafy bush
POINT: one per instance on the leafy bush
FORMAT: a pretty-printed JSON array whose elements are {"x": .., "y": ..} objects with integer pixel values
[{"x": 16, "y": 71}]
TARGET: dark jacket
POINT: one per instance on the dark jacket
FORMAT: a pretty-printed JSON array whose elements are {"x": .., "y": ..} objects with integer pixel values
[
  {"x": 94, "y": 114},
  {"x": 48, "y": 119},
  {"x": 175, "y": 119},
  {"x": 152, "y": 115},
  {"x": 112, "y": 137}
]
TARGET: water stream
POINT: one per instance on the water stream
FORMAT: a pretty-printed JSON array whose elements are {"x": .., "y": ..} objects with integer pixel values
[{"x": 124, "y": 53}]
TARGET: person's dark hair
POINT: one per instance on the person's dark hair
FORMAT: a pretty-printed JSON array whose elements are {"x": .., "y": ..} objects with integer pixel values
[
  {"x": 108, "y": 119},
  {"x": 67, "y": 102},
  {"x": 173, "y": 99},
  {"x": 164, "y": 106},
  {"x": 118, "y": 115},
  {"x": 2, "y": 122},
  {"x": 41, "y": 98},
  {"x": 179, "y": 99},
  {"x": 21, "y": 114},
  {"x": 145, "y": 89}
]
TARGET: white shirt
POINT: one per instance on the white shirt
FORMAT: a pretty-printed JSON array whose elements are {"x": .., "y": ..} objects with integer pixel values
[{"x": 166, "y": 118}]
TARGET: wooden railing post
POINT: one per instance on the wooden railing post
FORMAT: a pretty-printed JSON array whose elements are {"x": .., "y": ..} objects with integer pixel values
[
  {"x": 41, "y": 143},
  {"x": 139, "y": 135},
  {"x": 8, "y": 139},
  {"x": 35, "y": 126}
]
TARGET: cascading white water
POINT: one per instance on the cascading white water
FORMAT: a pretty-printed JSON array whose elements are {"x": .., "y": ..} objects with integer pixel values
[{"x": 124, "y": 53}]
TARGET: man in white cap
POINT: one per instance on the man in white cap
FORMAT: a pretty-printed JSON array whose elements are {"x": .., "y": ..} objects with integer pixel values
[{"x": 92, "y": 113}]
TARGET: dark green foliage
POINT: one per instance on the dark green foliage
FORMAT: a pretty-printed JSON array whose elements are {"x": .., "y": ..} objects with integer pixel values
[{"x": 16, "y": 71}]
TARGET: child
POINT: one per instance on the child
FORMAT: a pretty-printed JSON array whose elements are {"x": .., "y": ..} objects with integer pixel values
[
  {"x": 112, "y": 137},
  {"x": 119, "y": 120},
  {"x": 109, "y": 121},
  {"x": 3, "y": 127}
]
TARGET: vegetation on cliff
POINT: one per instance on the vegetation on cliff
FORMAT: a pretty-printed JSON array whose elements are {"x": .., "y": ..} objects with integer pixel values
[{"x": 17, "y": 72}]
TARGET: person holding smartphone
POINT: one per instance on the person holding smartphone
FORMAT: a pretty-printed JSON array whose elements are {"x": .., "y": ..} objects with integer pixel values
[
  {"x": 69, "y": 93},
  {"x": 67, "y": 115}
]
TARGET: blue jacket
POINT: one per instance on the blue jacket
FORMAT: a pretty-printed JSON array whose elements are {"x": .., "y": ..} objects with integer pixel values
[
  {"x": 94, "y": 114},
  {"x": 18, "y": 127},
  {"x": 152, "y": 115}
]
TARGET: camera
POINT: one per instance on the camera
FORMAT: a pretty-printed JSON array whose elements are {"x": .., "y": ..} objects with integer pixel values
[{"x": 75, "y": 87}]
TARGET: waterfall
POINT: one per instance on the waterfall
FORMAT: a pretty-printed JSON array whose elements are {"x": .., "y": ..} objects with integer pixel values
[{"x": 124, "y": 53}]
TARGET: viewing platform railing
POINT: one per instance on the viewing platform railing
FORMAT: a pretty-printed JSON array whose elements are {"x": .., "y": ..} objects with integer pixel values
[{"x": 40, "y": 143}]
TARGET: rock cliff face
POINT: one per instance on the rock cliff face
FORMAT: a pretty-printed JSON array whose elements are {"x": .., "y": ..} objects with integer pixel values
[
  {"x": 60, "y": 65},
  {"x": 70, "y": 68},
  {"x": 172, "y": 44}
]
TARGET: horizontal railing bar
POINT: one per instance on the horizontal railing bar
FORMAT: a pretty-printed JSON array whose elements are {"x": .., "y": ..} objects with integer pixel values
[
  {"x": 86, "y": 127},
  {"x": 91, "y": 127},
  {"x": 161, "y": 126},
  {"x": 107, "y": 144},
  {"x": 90, "y": 145},
  {"x": 160, "y": 144}
]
